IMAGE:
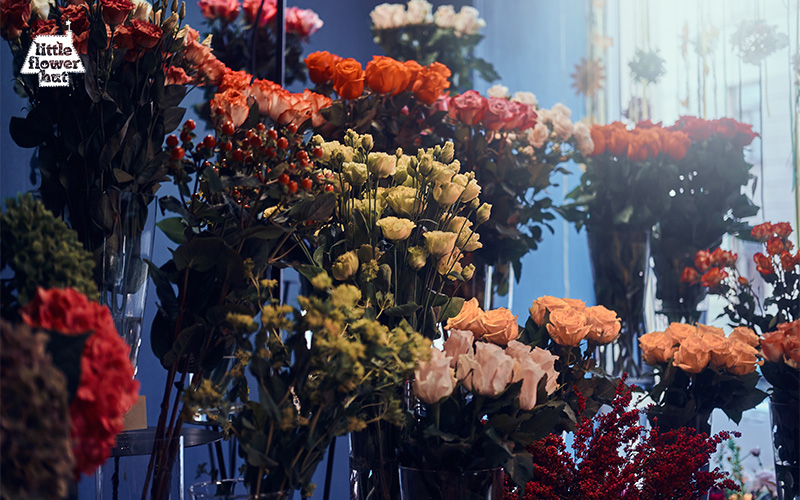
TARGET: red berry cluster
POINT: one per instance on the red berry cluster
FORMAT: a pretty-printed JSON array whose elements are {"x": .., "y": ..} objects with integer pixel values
[{"x": 615, "y": 457}]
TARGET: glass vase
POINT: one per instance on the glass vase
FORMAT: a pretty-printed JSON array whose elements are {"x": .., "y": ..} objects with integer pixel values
[
  {"x": 785, "y": 422},
  {"x": 232, "y": 489},
  {"x": 373, "y": 463},
  {"x": 619, "y": 259},
  {"x": 419, "y": 484},
  {"x": 122, "y": 268}
]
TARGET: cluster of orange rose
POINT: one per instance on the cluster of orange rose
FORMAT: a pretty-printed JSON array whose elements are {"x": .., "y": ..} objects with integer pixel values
[
  {"x": 383, "y": 75},
  {"x": 783, "y": 344},
  {"x": 644, "y": 142},
  {"x": 237, "y": 90},
  {"x": 695, "y": 348},
  {"x": 569, "y": 321},
  {"x": 498, "y": 326}
]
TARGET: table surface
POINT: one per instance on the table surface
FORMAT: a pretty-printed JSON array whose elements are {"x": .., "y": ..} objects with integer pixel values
[{"x": 140, "y": 442}]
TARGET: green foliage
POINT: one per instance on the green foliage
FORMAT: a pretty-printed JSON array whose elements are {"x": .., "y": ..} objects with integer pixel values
[{"x": 42, "y": 252}]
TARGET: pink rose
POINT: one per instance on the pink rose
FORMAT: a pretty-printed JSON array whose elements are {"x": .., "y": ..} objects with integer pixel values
[
  {"x": 547, "y": 360},
  {"x": 434, "y": 379},
  {"x": 467, "y": 108},
  {"x": 488, "y": 372},
  {"x": 538, "y": 135},
  {"x": 530, "y": 374},
  {"x": 459, "y": 342},
  {"x": 562, "y": 126},
  {"x": 268, "y": 10},
  {"x": 302, "y": 22},
  {"x": 227, "y": 10},
  {"x": 497, "y": 113},
  {"x": 318, "y": 102}
]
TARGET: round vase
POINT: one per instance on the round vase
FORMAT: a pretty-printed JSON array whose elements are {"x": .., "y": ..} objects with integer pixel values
[
  {"x": 420, "y": 484},
  {"x": 785, "y": 424},
  {"x": 232, "y": 489}
]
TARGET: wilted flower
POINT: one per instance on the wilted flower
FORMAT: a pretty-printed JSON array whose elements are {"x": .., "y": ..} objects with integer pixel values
[
  {"x": 417, "y": 257},
  {"x": 345, "y": 266}
]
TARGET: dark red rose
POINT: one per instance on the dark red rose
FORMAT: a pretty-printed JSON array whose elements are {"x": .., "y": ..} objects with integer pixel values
[
  {"x": 702, "y": 260},
  {"x": 40, "y": 27},
  {"x": 76, "y": 14},
  {"x": 14, "y": 17},
  {"x": 116, "y": 11},
  {"x": 762, "y": 232},
  {"x": 775, "y": 246},
  {"x": 468, "y": 107},
  {"x": 782, "y": 229},
  {"x": 123, "y": 37},
  {"x": 763, "y": 264},
  {"x": 147, "y": 35},
  {"x": 744, "y": 135},
  {"x": 723, "y": 258},
  {"x": 787, "y": 261},
  {"x": 690, "y": 275},
  {"x": 698, "y": 130},
  {"x": 498, "y": 112},
  {"x": 713, "y": 277}
]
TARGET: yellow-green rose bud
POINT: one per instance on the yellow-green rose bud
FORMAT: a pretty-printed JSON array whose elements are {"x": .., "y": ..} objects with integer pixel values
[
  {"x": 381, "y": 164},
  {"x": 447, "y": 194},
  {"x": 345, "y": 266},
  {"x": 483, "y": 213},
  {"x": 440, "y": 243},
  {"x": 425, "y": 163},
  {"x": 367, "y": 142},
  {"x": 400, "y": 173},
  {"x": 448, "y": 150},
  {"x": 468, "y": 272},
  {"x": 403, "y": 200},
  {"x": 369, "y": 205},
  {"x": 417, "y": 257},
  {"x": 471, "y": 242},
  {"x": 355, "y": 173},
  {"x": 471, "y": 191},
  {"x": 396, "y": 229},
  {"x": 450, "y": 263}
]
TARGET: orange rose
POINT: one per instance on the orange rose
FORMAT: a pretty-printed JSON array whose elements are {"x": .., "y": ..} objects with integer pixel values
[
  {"x": 567, "y": 326},
  {"x": 718, "y": 347},
  {"x": 604, "y": 325},
  {"x": 498, "y": 326},
  {"x": 599, "y": 140},
  {"x": 385, "y": 75},
  {"x": 238, "y": 80},
  {"x": 348, "y": 79},
  {"x": 692, "y": 355},
  {"x": 468, "y": 318},
  {"x": 657, "y": 347},
  {"x": 430, "y": 83},
  {"x": 680, "y": 332},
  {"x": 741, "y": 358},
  {"x": 232, "y": 105},
  {"x": 618, "y": 142},
  {"x": 704, "y": 331},
  {"x": 676, "y": 144},
  {"x": 321, "y": 66},
  {"x": 414, "y": 69},
  {"x": 541, "y": 305}
]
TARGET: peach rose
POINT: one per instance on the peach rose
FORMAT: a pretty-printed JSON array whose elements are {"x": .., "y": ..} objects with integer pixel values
[
  {"x": 657, "y": 347},
  {"x": 468, "y": 318},
  {"x": 318, "y": 102},
  {"x": 681, "y": 331},
  {"x": 459, "y": 342},
  {"x": 692, "y": 355},
  {"x": 567, "y": 326},
  {"x": 231, "y": 104},
  {"x": 541, "y": 357},
  {"x": 541, "y": 305},
  {"x": 772, "y": 345},
  {"x": 744, "y": 334},
  {"x": 434, "y": 380},
  {"x": 527, "y": 371},
  {"x": 604, "y": 325},
  {"x": 498, "y": 326},
  {"x": 718, "y": 347},
  {"x": 488, "y": 372},
  {"x": 741, "y": 358},
  {"x": 705, "y": 330}
]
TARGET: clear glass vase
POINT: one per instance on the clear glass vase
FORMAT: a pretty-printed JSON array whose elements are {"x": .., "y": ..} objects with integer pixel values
[
  {"x": 122, "y": 268},
  {"x": 373, "y": 463},
  {"x": 420, "y": 484},
  {"x": 232, "y": 489},
  {"x": 785, "y": 421}
]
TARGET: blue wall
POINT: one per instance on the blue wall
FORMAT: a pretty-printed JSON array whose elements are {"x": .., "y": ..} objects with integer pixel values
[{"x": 533, "y": 45}]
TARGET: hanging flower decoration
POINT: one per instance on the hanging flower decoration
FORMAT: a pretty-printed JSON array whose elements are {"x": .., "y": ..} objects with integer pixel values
[
  {"x": 588, "y": 77},
  {"x": 647, "y": 66},
  {"x": 755, "y": 40},
  {"x": 106, "y": 390}
]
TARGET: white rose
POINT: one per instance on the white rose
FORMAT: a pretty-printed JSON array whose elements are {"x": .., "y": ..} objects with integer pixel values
[
  {"x": 488, "y": 372},
  {"x": 142, "y": 11},
  {"x": 583, "y": 138},
  {"x": 562, "y": 126},
  {"x": 468, "y": 22},
  {"x": 560, "y": 109},
  {"x": 434, "y": 379},
  {"x": 445, "y": 16},
  {"x": 385, "y": 16},
  {"x": 419, "y": 12},
  {"x": 538, "y": 135},
  {"x": 498, "y": 90},
  {"x": 525, "y": 98}
]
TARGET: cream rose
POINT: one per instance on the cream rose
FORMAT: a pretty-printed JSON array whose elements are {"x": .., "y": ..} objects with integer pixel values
[
  {"x": 445, "y": 16},
  {"x": 488, "y": 372},
  {"x": 562, "y": 126},
  {"x": 538, "y": 135},
  {"x": 440, "y": 243},
  {"x": 447, "y": 194},
  {"x": 396, "y": 229},
  {"x": 459, "y": 342},
  {"x": 498, "y": 90},
  {"x": 434, "y": 380},
  {"x": 403, "y": 200},
  {"x": 525, "y": 98},
  {"x": 381, "y": 165},
  {"x": 417, "y": 257}
]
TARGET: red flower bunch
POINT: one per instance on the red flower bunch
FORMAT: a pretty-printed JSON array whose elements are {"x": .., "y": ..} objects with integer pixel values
[
  {"x": 106, "y": 390},
  {"x": 14, "y": 17},
  {"x": 645, "y": 142},
  {"x": 614, "y": 457},
  {"x": 493, "y": 113},
  {"x": 383, "y": 75},
  {"x": 783, "y": 344},
  {"x": 237, "y": 90},
  {"x": 728, "y": 129}
]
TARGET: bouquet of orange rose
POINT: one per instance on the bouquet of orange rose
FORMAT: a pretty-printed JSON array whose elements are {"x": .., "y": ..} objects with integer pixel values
[
  {"x": 701, "y": 369},
  {"x": 495, "y": 388}
]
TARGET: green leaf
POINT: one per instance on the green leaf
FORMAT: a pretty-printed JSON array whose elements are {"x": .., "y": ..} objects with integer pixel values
[
  {"x": 173, "y": 228},
  {"x": 190, "y": 340},
  {"x": 520, "y": 468},
  {"x": 25, "y": 132},
  {"x": 403, "y": 310}
]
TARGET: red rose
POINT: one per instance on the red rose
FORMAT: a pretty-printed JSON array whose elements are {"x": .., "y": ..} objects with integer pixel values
[
  {"x": 725, "y": 128},
  {"x": 40, "y": 27},
  {"x": 76, "y": 14},
  {"x": 618, "y": 142},
  {"x": 690, "y": 275},
  {"x": 702, "y": 260},
  {"x": 675, "y": 144},
  {"x": 320, "y": 66},
  {"x": 698, "y": 130},
  {"x": 348, "y": 78},
  {"x": 713, "y": 277},
  {"x": 775, "y": 246},
  {"x": 123, "y": 37},
  {"x": 227, "y": 10},
  {"x": 787, "y": 261},
  {"x": 527, "y": 116},
  {"x": 268, "y": 10},
  {"x": 468, "y": 107},
  {"x": 498, "y": 112},
  {"x": 176, "y": 76},
  {"x": 762, "y": 232},
  {"x": 147, "y": 35},
  {"x": 14, "y": 17},
  {"x": 647, "y": 124},
  {"x": 744, "y": 135},
  {"x": 763, "y": 264},
  {"x": 723, "y": 258},
  {"x": 743, "y": 281},
  {"x": 106, "y": 390},
  {"x": 414, "y": 69},
  {"x": 782, "y": 229},
  {"x": 116, "y": 11}
]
